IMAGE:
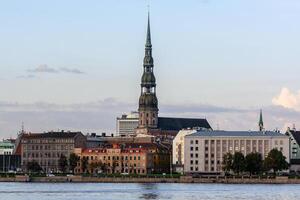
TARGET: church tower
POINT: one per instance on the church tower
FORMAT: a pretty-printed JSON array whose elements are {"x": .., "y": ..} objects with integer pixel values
[{"x": 148, "y": 104}]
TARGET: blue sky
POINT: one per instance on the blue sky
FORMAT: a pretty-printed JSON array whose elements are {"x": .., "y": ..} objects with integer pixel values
[{"x": 228, "y": 54}]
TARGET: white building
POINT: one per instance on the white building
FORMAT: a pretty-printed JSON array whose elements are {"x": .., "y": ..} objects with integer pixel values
[
  {"x": 178, "y": 149},
  {"x": 127, "y": 124},
  {"x": 204, "y": 150},
  {"x": 178, "y": 146}
]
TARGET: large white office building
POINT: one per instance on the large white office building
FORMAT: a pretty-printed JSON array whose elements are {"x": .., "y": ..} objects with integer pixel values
[
  {"x": 127, "y": 123},
  {"x": 204, "y": 150}
]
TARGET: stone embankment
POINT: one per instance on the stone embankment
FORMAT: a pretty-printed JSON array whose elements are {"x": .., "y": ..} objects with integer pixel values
[{"x": 182, "y": 179}]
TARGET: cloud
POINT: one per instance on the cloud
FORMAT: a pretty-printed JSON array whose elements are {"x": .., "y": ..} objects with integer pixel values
[
  {"x": 100, "y": 116},
  {"x": 29, "y": 76},
  {"x": 69, "y": 70},
  {"x": 43, "y": 69},
  {"x": 46, "y": 69},
  {"x": 287, "y": 99}
]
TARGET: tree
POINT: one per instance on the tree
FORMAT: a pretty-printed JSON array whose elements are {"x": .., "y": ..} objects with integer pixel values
[
  {"x": 84, "y": 164},
  {"x": 254, "y": 163},
  {"x": 227, "y": 162},
  {"x": 275, "y": 161},
  {"x": 63, "y": 163},
  {"x": 238, "y": 164},
  {"x": 94, "y": 166},
  {"x": 33, "y": 166},
  {"x": 73, "y": 160}
]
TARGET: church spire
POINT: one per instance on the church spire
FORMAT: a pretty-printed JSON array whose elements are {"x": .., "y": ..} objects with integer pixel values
[
  {"x": 148, "y": 39},
  {"x": 261, "y": 122},
  {"x": 148, "y": 104}
]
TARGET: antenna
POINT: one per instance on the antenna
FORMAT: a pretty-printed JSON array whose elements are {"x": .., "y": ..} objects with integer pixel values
[
  {"x": 294, "y": 127},
  {"x": 22, "y": 128}
]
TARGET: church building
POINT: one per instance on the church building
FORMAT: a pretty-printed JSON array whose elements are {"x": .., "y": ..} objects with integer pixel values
[{"x": 149, "y": 121}]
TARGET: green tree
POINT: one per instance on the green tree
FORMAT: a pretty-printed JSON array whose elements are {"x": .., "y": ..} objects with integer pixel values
[
  {"x": 275, "y": 161},
  {"x": 63, "y": 163},
  {"x": 238, "y": 164},
  {"x": 73, "y": 160},
  {"x": 94, "y": 167},
  {"x": 34, "y": 167},
  {"x": 254, "y": 163},
  {"x": 84, "y": 164},
  {"x": 227, "y": 162}
]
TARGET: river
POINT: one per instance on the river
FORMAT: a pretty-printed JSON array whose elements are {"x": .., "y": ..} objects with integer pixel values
[{"x": 115, "y": 191}]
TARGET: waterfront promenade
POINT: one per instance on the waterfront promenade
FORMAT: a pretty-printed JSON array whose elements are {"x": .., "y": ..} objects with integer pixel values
[{"x": 182, "y": 179}]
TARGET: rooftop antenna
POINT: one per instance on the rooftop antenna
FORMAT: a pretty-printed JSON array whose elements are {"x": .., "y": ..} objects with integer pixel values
[
  {"x": 294, "y": 127},
  {"x": 22, "y": 128}
]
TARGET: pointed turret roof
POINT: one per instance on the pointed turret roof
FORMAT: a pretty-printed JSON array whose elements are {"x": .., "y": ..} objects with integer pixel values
[
  {"x": 261, "y": 122},
  {"x": 148, "y": 40}
]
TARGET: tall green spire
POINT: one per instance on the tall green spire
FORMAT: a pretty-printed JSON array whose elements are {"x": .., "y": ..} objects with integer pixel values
[
  {"x": 148, "y": 104},
  {"x": 148, "y": 39},
  {"x": 261, "y": 122}
]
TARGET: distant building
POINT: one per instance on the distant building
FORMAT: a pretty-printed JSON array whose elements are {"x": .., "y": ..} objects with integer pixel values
[
  {"x": 204, "y": 150},
  {"x": 127, "y": 124},
  {"x": 94, "y": 141},
  {"x": 294, "y": 149},
  {"x": 178, "y": 149},
  {"x": 10, "y": 163},
  {"x": 126, "y": 158},
  {"x": 149, "y": 121},
  {"x": 295, "y": 143},
  {"x": 6, "y": 147},
  {"x": 47, "y": 148}
]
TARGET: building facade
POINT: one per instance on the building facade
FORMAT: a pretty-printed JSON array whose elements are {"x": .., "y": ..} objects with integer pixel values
[
  {"x": 6, "y": 147},
  {"x": 295, "y": 143},
  {"x": 47, "y": 148},
  {"x": 294, "y": 136},
  {"x": 204, "y": 150},
  {"x": 178, "y": 149},
  {"x": 126, "y": 124},
  {"x": 125, "y": 158}
]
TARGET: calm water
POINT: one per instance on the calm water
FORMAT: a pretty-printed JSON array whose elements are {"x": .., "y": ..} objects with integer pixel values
[{"x": 99, "y": 191}]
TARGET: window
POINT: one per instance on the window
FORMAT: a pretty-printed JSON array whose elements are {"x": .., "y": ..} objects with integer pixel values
[
  {"x": 196, "y": 155},
  {"x": 192, "y": 155},
  {"x": 197, "y": 148},
  {"x": 196, "y": 141},
  {"x": 192, "y": 162},
  {"x": 192, "y": 169},
  {"x": 192, "y": 148},
  {"x": 191, "y": 142}
]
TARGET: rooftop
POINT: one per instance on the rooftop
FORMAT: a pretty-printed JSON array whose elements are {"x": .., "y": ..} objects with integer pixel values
[
  {"x": 296, "y": 135},
  {"x": 60, "y": 134},
  {"x": 237, "y": 134},
  {"x": 176, "y": 124}
]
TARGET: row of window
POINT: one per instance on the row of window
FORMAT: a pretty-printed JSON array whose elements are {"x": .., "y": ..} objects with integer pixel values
[{"x": 114, "y": 157}]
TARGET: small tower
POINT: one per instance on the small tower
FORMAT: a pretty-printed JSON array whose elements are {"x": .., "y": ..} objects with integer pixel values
[
  {"x": 261, "y": 122},
  {"x": 148, "y": 104}
]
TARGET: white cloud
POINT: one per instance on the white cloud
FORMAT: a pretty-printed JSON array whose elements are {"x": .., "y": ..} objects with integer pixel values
[
  {"x": 287, "y": 99},
  {"x": 71, "y": 70},
  {"x": 43, "y": 69},
  {"x": 46, "y": 69}
]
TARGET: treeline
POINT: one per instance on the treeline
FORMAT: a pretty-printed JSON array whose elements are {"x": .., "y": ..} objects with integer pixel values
[
  {"x": 65, "y": 164},
  {"x": 253, "y": 163}
]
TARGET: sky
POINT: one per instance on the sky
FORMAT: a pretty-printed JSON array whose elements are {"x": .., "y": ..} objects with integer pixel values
[{"x": 77, "y": 65}]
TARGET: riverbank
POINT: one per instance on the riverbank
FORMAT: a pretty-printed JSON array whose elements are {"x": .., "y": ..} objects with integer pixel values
[{"x": 182, "y": 179}]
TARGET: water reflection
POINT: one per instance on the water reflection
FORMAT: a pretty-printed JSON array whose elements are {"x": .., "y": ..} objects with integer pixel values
[{"x": 149, "y": 191}]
